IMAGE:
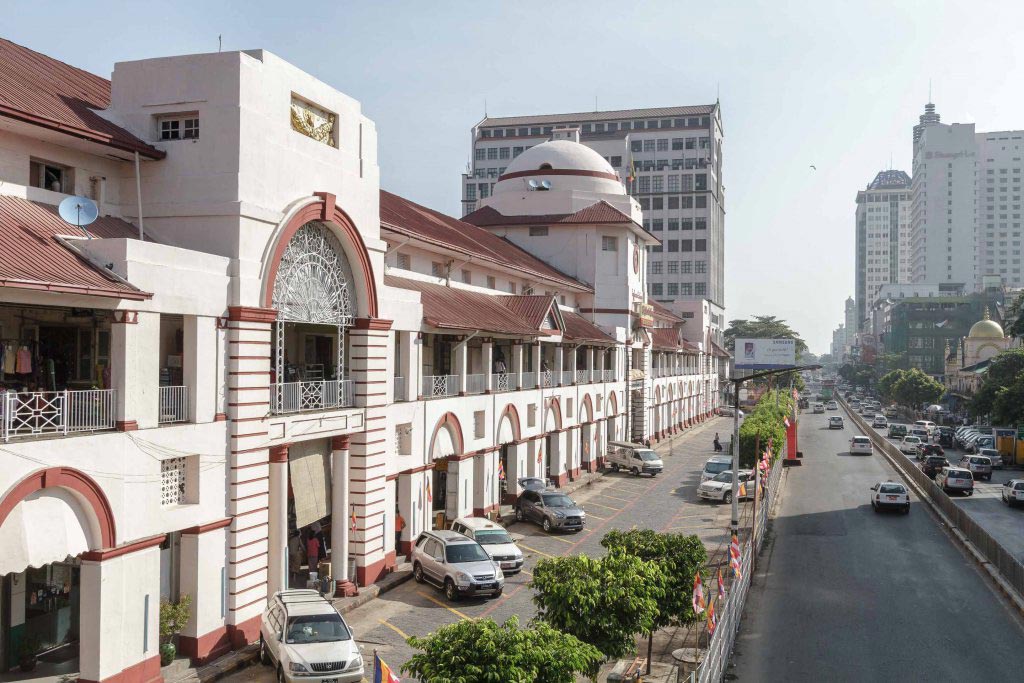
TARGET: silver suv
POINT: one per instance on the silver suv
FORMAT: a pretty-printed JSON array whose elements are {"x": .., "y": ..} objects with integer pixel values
[
  {"x": 550, "y": 509},
  {"x": 456, "y": 564},
  {"x": 307, "y": 641}
]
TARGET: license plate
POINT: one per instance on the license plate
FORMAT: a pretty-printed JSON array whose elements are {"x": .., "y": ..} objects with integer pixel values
[
  {"x": 891, "y": 497},
  {"x": 508, "y": 565},
  {"x": 328, "y": 680}
]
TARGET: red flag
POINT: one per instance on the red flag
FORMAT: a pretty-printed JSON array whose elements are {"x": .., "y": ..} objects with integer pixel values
[
  {"x": 785, "y": 421},
  {"x": 698, "y": 595},
  {"x": 353, "y": 518},
  {"x": 734, "y": 556},
  {"x": 430, "y": 498},
  {"x": 721, "y": 583},
  {"x": 712, "y": 619}
]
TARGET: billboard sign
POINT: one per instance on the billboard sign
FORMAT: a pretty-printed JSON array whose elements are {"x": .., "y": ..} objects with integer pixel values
[{"x": 765, "y": 354}]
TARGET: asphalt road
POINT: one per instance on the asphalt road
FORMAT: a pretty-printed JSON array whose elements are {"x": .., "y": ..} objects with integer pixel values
[
  {"x": 667, "y": 502},
  {"x": 845, "y": 594}
]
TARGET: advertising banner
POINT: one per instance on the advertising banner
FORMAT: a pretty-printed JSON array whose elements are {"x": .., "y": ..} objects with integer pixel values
[{"x": 765, "y": 354}]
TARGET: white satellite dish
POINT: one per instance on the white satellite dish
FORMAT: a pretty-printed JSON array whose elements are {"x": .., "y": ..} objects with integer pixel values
[
  {"x": 545, "y": 184},
  {"x": 78, "y": 211},
  {"x": 533, "y": 184}
]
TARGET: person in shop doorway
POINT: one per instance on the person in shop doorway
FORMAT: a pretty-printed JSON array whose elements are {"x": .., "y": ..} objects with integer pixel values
[
  {"x": 294, "y": 556},
  {"x": 313, "y": 555},
  {"x": 399, "y": 527}
]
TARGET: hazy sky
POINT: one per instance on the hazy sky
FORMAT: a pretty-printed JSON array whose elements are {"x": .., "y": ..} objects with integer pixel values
[{"x": 833, "y": 84}]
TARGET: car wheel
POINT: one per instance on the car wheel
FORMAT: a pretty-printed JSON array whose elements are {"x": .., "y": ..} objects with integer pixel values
[
  {"x": 635, "y": 472},
  {"x": 615, "y": 468},
  {"x": 906, "y": 510},
  {"x": 546, "y": 524},
  {"x": 417, "y": 573},
  {"x": 498, "y": 594},
  {"x": 450, "y": 591},
  {"x": 727, "y": 498},
  {"x": 264, "y": 655},
  {"x": 519, "y": 514},
  {"x": 970, "y": 493}
]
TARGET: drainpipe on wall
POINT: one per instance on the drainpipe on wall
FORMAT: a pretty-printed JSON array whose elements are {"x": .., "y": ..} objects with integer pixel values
[{"x": 138, "y": 195}]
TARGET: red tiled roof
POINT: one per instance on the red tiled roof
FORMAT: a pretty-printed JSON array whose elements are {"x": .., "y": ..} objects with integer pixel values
[
  {"x": 663, "y": 313},
  {"x": 578, "y": 328},
  {"x": 31, "y": 257},
  {"x": 409, "y": 218},
  {"x": 599, "y": 212},
  {"x": 719, "y": 351},
  {"x": 532, "y": 308},
  {"x": 670, "y": 339},
  {"x": 46, "y": 92},
  {"x": 460, "y": 309}
]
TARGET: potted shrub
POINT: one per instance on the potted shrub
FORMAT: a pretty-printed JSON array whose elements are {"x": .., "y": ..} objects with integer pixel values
[
  {"x": 27, "y": 650},
  {"x": 173, "y": 617}
]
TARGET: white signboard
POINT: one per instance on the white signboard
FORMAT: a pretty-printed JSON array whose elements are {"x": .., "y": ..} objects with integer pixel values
[{"x": 765, "y": 354}]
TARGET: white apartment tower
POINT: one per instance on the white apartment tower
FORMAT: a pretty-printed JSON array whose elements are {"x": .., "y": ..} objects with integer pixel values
[
  {"x": 670, "y": 160},
  {"x": 966, "y": 215},
  {"x": 883, "y": 240}
]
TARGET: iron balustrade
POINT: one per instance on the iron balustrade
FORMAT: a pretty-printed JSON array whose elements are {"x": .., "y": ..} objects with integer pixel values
[
  {"x": 435, "y": 386},
  {"x": 173, "y": 405},
  {"x": 529, "y": 380},
  {"x": 399, "y": 389},
  {"x": 475, "y": 384},
  {"x": 546, "y": 379},
  {"x": 567, "y": 378},
  {"x": 582, "y": 376},
  {"x": 35, "y": 413},
  {"x": 501, "y": 381},
  {"x": 295, "y": 397}
]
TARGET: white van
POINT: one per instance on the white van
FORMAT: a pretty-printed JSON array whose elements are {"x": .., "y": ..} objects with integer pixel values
[
  {"x": 927, "y": 424},
  {"x": 635, "y": 457},
  {"x": 715, "y": 465}
]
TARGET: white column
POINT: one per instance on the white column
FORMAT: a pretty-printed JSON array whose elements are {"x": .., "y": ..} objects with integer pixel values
[
  {"x": 200, "y": 366},
  {"x": 341, "y": 515},
  {"x": 460, "y": 365},
  {"x": 573, "y": 362},
  {"x": 537, "y": 364},
  {"x": 488, "y": 363},
  {"x": 517, "y": 365},
  {"x": 204, "y": 577},
  {"x": 277, "y": 561},
  {"x": 590, "y": 364},
  {"x": 135, "y": 368},
  {"x": 559, "y": 364}
]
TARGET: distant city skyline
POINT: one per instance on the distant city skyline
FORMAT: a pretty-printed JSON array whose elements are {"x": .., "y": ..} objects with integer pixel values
[{"x": 814, "y": 85}]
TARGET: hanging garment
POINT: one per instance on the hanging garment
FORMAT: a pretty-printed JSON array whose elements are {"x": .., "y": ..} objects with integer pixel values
[
  {"x": 10, "y": 359},
  {"x": 24, "y": 365}
]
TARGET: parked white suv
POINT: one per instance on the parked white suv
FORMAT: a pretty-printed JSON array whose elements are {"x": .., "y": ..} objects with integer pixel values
[
  {"x": 890, "y": 494},
  {"x": 909, "y": 445},
  {"x": 456, "y": 564},
  {"x": 1013, "y": 492},
  {"x": 495, "y": 541},
  {"x": 860, "y": 445},
  {"x": 955, "y": 479},
  {"x": 307, "y": 641}
]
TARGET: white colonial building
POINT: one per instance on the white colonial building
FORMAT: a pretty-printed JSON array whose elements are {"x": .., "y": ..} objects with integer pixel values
[{"x": 254, "y": 336}]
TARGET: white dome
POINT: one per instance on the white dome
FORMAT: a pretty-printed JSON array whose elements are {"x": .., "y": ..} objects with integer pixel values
[{"x": 565, "y": 165}]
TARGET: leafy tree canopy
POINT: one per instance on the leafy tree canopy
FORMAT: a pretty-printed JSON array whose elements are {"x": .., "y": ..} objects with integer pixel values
[
  {"x": 762, "y": 327},
  {"x": 915, "y": 389},
  {"x": 481, "y": 650},
  {"x": 1005, "y": 371}
]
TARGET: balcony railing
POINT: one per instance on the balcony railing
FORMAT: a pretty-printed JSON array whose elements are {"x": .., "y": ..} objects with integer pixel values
[
  {"x": 399, "y": 389},
  {"x": 567, "y": 378},
  {"x": 501, "y": 381},
  {"x": 55, "y": 412},
  {"x": 609, "y": 375},
  {"x": 173, "y": 405},
  {"x": 440, "y": 385},
  {"x": 546, "y": 378},
  {"x": 475, "y": 384},
  {"x": 294, "y": 397},
  {"x": 529, "y": 380},
  {"x": 582, "y": 376}
]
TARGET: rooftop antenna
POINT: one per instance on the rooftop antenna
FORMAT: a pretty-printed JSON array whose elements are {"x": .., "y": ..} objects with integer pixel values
[
  {"x": 79, "y": 211},
  {"x": 929, "y": 90},
  {"x": 485, "y": 107},
  {"x": 220, "y": 42},
  {"x": 595, "y": 103}
]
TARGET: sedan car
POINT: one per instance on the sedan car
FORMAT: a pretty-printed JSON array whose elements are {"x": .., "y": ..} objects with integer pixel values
[
  {"x": 861, "y": 445},
  {"x": 1013, "y": 492},
  {"x": 995, "y": 456},
  {"x": 890, "y": 495},
  {"x": 879, "y": 422},
  {"x": 933, "y": 464},
  {"x": 832, "y": 405},
  {"x": 836, "y": 422},
  {"x": 720, "y": 487},
  {"x": 909, "y": 445},
  {"x": 819, "y": 407},
  {"x": 979, "y": 466},
  {"x": 955, "y": 479},
  {"x": 551, "y": 510}
]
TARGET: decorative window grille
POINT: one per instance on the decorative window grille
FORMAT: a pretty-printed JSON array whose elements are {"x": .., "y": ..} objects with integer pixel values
[{"x": 172, "y": 481}]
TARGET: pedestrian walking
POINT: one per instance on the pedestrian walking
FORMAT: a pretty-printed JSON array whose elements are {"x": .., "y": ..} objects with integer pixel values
[
  {"x": 313, "y": 555},
  {"x": 718, "y": 444},
  {"x": 399, "y": 527}
]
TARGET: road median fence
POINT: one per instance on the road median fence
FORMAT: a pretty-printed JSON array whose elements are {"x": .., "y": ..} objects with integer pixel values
[{"x": 1001, "y": 560}]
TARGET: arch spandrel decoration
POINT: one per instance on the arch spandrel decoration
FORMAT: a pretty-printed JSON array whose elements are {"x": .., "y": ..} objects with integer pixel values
[{"x": 314, "y": 279}]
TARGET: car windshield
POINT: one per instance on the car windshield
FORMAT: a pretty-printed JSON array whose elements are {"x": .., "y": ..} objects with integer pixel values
[
  {"x": 558, "y": 500},
  {"x": 890, "y": 488},
  {"x": 317, "y": 628},
  {"x": 531, "y": 483},
  {"x": 980, "y": 461},
  {"x": 464, "y": 552},
  {"x": 936, "y": 461},
  {"x": 960, "y": 474},
  {"x": 724, "y": 476},
  {"x": 716, "y": 467},
  {"x": 647, "y": 456},
  {"x": 492, "y": 536},
  {"x": 860, "y": 439},
  {"x": 912, "y": 439}
]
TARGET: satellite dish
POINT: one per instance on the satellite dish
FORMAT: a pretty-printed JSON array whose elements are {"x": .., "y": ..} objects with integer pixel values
[
  {"x": 545, "y": 184},
  {"x": 78, "y": 211},
  {"x": 534, "y": 184}
]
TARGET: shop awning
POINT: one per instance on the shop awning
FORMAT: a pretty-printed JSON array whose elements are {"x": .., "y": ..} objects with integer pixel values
[
  {"x": 309, "y": 466},
  {"x": 48, "y": 526}
]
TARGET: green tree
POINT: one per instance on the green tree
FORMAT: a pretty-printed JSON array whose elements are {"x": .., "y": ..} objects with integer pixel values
[
  {"x": 603, "y": 601},
  {"x": 887, "y": 384},
  {"x": 1004, "y": 371},
  {"x": 764, "y": 426},
  {"x": 679, "y": 556},
  {"x": 1015, "y": 312},
  {"x": 915, "y": 388},
  {"x": 481, "y": 650},
  {"x": 762, "y": 327},
  {"x": 1008, "y": 408}
]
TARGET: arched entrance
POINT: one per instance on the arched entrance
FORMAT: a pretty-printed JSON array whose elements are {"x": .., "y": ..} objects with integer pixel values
[
  {"x": 448, "y": 476},
  {"x": 552, "y": 456},
  {"x": 511, "y": 465}
]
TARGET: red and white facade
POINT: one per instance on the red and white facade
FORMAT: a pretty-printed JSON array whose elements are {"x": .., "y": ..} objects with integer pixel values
[{"x": 288, "y": 344}]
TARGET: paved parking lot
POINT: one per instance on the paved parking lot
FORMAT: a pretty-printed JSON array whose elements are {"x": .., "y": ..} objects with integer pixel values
[{"x": 667, "y": 502}]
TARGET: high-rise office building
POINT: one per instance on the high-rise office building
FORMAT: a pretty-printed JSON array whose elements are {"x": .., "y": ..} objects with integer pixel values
[
  {"x": 670, "y": 160},
  {"x": 883, "y": 241},
  {"x": 966, "y": 215}
]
